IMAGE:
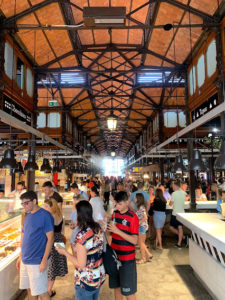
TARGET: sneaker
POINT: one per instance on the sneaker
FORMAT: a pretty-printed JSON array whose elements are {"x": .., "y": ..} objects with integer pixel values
[{"x": 177, "y": 246}]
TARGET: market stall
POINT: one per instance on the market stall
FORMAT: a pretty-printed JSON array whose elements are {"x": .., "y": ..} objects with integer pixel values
[
  {"x": 207, "y": 249},
  {"x": 10, "y": 235}
]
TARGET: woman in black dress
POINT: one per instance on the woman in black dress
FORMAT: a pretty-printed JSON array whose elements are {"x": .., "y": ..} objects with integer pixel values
[{"x": 57, "y": 262}]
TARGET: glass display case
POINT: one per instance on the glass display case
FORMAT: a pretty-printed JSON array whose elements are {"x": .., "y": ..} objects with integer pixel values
[{"x": 10, "y": 236}]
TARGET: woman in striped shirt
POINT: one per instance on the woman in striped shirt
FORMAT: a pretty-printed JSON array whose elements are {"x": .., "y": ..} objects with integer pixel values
[{"x": 89, "y": 271}]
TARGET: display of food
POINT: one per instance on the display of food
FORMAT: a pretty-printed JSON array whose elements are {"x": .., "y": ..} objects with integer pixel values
[{"x": 9, "y": 241}]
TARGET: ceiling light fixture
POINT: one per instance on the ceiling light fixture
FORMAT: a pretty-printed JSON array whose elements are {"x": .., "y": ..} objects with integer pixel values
[
  {"x": 178, "y": 165},
  {"x": 112, "y": 122},
  {"x": 113, "y": 153},
  {"x": 19, "y": 168},
  {"x": 31, "y": 165},
  {"x": 97, "y": 16},
  {"x": 56, "y": 167},
  {"x": 8, "y": 161},
  {"x": 196, "y": 163},
  {"x": 46, "y": 166}
]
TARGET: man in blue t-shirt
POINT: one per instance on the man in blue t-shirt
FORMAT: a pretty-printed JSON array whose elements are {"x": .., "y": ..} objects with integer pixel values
[
  {"x": 37, "y": 242},
  {"x": 140, "y": 187}
]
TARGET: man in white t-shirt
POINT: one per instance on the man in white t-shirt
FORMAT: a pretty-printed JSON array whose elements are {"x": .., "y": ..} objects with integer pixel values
[
  {"x": 199, "y": 195},
  {"x": 178, "y": 202},
  {"x": 97, "y": 204},
  {"x": 20, "y": 189}
]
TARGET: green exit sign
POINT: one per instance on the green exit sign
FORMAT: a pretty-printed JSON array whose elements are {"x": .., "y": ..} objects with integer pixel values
[{"x": 53, "y": 103}]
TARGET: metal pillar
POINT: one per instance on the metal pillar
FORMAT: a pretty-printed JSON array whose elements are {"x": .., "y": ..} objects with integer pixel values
[
  {"x": 32, "y": 147},
  {"x": 63, "y": 127},
  {"x": 192, "y": 178},
  {"x": 161, "y": 160}
]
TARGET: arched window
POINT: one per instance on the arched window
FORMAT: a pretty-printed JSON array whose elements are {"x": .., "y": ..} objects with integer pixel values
[
  {"x": 201, "y": 70},
  {"x": 54, "y": 120},
  {"x": 211, "y": 58},
  {"x": 41, "y": 120},
  {"x": 192, "y": 81}
]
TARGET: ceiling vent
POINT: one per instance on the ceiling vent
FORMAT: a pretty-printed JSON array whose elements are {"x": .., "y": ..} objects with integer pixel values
[{"x": 97, "y": 16}]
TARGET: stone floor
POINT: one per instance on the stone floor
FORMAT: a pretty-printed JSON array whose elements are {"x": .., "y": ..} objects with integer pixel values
[{"x": 168, "y": 277}]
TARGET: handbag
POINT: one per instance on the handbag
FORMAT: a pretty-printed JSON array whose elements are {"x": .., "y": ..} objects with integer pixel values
[{"x": 111, "y": 261}]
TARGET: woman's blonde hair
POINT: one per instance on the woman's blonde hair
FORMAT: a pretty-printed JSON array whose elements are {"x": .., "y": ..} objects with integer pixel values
[{"x": 55, "y": 210}]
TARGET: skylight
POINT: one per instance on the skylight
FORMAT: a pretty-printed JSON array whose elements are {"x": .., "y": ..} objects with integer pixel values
[
  {"x": 67, "y": 78},
  {"x": 158, "y": 77}
]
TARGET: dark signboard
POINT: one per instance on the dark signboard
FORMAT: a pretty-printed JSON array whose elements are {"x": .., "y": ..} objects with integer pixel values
[
  {"x": 15, "y": 110},
  {"x": 205, "y": 107}
]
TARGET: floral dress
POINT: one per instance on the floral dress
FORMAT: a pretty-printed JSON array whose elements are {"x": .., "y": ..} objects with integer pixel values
[{"x": 141, "y": 212}]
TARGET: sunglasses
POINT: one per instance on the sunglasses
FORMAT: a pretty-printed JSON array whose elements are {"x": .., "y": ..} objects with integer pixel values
[{"x": 26, "y": 203}]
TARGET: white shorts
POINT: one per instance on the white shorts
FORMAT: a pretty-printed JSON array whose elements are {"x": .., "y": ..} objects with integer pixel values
[{"x": 31, "y": 278}]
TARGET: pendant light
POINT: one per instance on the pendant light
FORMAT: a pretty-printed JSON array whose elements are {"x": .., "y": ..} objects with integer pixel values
[
  {"x": 46, "y": 168},
  {"x": 196, "y": 163},
  {"x": 220, "y": 161},
  {"x": 179, "y": 164},
  {"x": 56, "y": 167},
  {"x": 19, "y": 168},
  {"x": 31, "y": 165},
  {"x": 8, "y": 161},
  {"x": 111, "y": 122}
]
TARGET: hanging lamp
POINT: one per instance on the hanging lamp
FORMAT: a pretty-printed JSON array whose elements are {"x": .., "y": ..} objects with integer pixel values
[
  {"x": 56, "y": 167},
  {"x": 31, "y": 165},
  {"x": 112, "y": 122},
  {"x": 196, "y": 163},
  {"x": 19, "y": 168},
  {"x": 46, "y": 168},
  {"x": 220, "y": 161},
  {"x": 179, "y": 164},
  {"x": 8, "y": 161}
]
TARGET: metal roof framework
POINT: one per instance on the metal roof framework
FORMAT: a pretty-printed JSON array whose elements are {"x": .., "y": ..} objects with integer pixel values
[{"x": 110, "y": 59}]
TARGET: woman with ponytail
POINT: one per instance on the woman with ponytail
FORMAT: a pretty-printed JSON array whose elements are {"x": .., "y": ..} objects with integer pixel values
[{"x": 89, "y": 269}]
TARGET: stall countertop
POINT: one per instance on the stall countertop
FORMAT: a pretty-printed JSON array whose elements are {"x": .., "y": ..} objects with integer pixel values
[
  {"x": 200, "y": 205},
  {"x": 210, "y": 226}
]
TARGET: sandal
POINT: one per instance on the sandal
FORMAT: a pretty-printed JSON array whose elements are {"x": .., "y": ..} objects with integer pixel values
[
  {"x": 53, "y": 293},
  {"x": 140, "y": 261},
  {"x": 149, "y": 259}
]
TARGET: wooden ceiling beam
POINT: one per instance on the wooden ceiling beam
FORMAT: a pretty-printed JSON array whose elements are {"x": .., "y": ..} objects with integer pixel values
[
  {"x": 32, "y": 9},
  {"x": 190, "y": 9}
]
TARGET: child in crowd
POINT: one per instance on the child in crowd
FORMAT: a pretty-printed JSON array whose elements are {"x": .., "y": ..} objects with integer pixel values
[{"x": 143, "y": 227}]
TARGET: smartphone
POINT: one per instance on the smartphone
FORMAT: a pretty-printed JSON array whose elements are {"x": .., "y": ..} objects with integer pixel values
[{"x": 56, "y": 244}]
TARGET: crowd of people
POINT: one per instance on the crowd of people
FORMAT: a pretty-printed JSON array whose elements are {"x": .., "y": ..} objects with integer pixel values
[{"x": 124, "y": 211}]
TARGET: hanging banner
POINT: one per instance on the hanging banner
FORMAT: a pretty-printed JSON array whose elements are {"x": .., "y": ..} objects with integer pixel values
[
  {"x": 205, "y": 107},
  {"x": 15, "y": 110}
]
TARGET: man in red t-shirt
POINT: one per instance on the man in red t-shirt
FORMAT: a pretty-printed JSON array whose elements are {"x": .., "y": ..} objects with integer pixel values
[{"x": 124, "y": 228}]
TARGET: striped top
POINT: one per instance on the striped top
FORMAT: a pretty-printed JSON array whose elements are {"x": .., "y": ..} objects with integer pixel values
[
  {"x": 129, "y": 224},
  {"x": 93, "y": 275}
]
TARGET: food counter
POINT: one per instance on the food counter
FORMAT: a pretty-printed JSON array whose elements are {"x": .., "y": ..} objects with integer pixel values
[
  {"x": 10, "y": 235},
  {"x": 200, "y": 205},
  {"x": 207, "y": 249}
]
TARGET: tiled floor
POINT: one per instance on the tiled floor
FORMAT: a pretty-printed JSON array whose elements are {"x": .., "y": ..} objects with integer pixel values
[{"x": 167, "y": 277}]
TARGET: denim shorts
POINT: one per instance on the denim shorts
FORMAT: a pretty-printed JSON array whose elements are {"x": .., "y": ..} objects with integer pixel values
[
  {"x": 82, "y": 294},
  {"x": 142, "y": 229}
]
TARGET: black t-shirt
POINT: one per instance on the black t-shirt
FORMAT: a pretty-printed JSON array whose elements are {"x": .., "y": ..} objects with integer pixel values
[
  {"x": 57, "y": 197},
  {"x": 159, "y": 205}
]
